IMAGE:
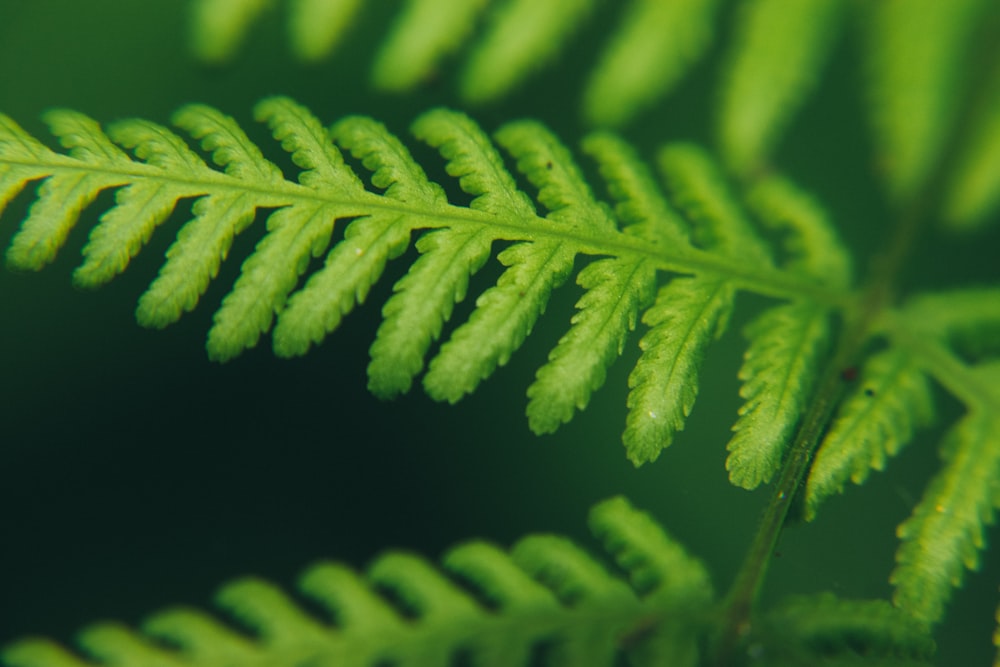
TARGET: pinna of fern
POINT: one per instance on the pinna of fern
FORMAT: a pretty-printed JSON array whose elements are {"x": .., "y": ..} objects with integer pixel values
[{"x": 545, "y": 599}]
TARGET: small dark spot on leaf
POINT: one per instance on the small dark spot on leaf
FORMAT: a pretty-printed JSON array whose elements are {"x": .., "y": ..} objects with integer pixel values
[{"x": 869, "y": 391}]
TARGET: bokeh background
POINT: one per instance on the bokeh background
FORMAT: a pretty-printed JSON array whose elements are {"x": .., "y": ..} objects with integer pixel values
[{"x": 139, "y": 475}]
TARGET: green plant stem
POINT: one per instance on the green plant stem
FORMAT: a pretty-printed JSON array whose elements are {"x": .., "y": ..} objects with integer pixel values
[{"x": 858, "y": 327}]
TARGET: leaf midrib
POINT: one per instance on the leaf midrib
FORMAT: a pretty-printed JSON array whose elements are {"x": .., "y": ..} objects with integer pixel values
[{"x": 761, "y": 280}]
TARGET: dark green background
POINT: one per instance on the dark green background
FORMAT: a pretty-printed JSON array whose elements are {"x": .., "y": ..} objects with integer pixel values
[{"x": 138, "y": 475}]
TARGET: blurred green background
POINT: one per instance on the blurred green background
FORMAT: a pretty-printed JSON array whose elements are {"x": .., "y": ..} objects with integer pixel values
[{"x": 139, "y": 475}]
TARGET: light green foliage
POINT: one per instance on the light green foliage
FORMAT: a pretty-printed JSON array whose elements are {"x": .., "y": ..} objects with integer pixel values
[
  {"x": 688, "y": 313},
  {"x": 891, "y": 399},
  {"x": 629, "y": 245},
  {"x": 787, "y": 342},
  {"x": 967, "y": 319},
  {"x": 140, "y": 207},
  {"x": 945, "y": 533},
  {"x": 295, "y": 233},
  {"x": 219, "y": 26},
  {"x": 422, "y": 302},
  {"x": 495, "y": 608},
  {"x": 62, "y": 196},
  {"x": 654, "y": 46},
  {"x": 424, "y": 32},
  {"x": 316, "y": 26},
  {"x": 974, "y": 191},
  {"x": 698, "y": 188},
  {"x": 202, "y": 244},
  {"x": 803, "y": 628},
  {"x": 779, "y": 369},
  {"x": 775, "y": 57},
  {"x": 578, "y": 364},
  {"x": 521, "y": 35},
  {"x": 915, "y": 53},
  {"x": 502, "y": 43},
  {"x": 404, "y": 610},
  {"x": 639, "y": 203},
  {"x": 810, "y": 242}
]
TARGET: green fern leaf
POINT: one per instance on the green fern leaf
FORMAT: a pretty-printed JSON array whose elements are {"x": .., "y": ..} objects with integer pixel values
[
  {"x": 424, "y": 32},
  {"x": 522, "y": 35},
  {"x": 295, "y": 233},
  {"x": 655, "y": 45},
  {"x": 356, "y": 264},
  {"x": 915, "y": 53},
  {"x": 876, "y": 420},
  {"x": 788, "y": 59},
  {"x": 62, "y": 196},
  {"x": 316, "y": 26},
  {"x": 202, "y": 244},
  {"x": 787, "y": 342},
  {"x": 944, "y": 534},
  {"x": 518, "y": 299},
  {"x": 140, "y": 207},
  {"x": 697, "y": 187},
  {"x": 218, "y": 27},
  {"x": 687, "y": 314},
  {"x": 422, "y": 302},
  {"x": 974, "y": 188},
  {"x": 778, "y": 372},
  {"x": 658, "y": 566}
]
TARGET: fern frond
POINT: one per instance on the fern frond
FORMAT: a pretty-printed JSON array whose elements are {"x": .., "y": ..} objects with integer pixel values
[
  {"x": 631, "y": 245},
  {"x": 546, "y": 590},
  {"x": 892, "y": 399},
  {"x": 789, "y": 60},
  {"x": 944, "y": 535},
  {"x": 654, "y": 46},
  {"x": 915, "y": 54}
]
